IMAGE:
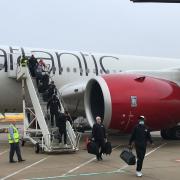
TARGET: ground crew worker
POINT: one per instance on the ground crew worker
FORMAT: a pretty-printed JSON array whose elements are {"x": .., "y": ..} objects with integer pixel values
[
  {"x": 13, "y": 138},
  {"x": 24, "y": 61},
  {"x": 140, "y": 136},
  {"x": 99, "y": 136},
  {"x": 55, "y": 107}
]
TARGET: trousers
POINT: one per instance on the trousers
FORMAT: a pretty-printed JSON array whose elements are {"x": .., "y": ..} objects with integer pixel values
[
  {"x": 101, "y": 145},
  {"x": 140, "y": 152},
  {"x": 14, "y": 147}
]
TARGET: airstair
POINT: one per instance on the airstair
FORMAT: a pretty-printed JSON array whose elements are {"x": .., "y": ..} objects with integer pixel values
[{"x": 37, "y": 126}]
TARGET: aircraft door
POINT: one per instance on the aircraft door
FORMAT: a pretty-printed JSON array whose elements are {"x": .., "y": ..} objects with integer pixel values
[{"x": 13, "y": 60}]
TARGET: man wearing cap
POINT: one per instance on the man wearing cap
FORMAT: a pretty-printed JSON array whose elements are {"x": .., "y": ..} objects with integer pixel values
[{"x": 140, "y": 136}]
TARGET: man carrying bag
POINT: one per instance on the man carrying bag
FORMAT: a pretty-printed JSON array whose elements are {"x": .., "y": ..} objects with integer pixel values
[{"x": 140, "y": 136}]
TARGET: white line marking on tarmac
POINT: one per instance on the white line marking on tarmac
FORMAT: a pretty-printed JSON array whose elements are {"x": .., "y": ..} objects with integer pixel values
[
  {"x": 3, "y": 152},
  {"x": 74, "y": 169},
  {"x": 91, "y": 174},
  {"x": 10, "y": 175},
  {"x": 85, "y": 163},
  {"x": 76, "y": 175},
  {"x": 147, "y": 154}
]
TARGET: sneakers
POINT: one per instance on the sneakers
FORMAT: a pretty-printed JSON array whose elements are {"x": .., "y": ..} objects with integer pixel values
[{"x": 139, "y": 174}]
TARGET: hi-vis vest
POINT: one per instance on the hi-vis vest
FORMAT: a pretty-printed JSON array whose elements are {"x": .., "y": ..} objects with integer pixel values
[
  {"x": 24, "y": 62},
  {"x": 15, "y": 135}
]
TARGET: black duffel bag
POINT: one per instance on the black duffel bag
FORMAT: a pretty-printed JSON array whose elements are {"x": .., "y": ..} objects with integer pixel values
[
  {"x": 92, "y": 148},
  {"x": 107, "y": 148},
  {"x": 127, "y": 156}
]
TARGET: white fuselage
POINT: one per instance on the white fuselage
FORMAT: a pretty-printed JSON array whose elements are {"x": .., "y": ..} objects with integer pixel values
[{"x": 71, "y": 67}]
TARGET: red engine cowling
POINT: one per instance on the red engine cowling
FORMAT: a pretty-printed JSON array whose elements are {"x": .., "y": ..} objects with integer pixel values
[{"x": 121, "y": 99}]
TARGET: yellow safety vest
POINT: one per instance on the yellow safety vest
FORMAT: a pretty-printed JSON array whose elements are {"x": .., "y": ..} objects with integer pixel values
[
  {"x": 15, "y": 135},
  {"x": 23, "y": 62}
]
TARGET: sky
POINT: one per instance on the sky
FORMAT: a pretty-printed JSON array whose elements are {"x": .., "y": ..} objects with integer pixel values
[{"x": 104, "y": 26}]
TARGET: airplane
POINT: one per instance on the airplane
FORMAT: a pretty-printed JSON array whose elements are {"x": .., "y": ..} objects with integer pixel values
[{"x": 119, "y": 88}]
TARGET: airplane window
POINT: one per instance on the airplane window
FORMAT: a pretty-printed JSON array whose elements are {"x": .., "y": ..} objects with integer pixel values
[
  {"x": 114, "y": 71},
  {"x": 74, "y": 70},
  {"x": 88, "y": 70},
  {"x": 101, "y": 71},
  {"x": 108, "y": 71},
  {"x": 68, "y": 69},
  {"x": 94, "y": 71},
  {"x": 61, "y": 69},
  {"x": 81, "y": 70},
  {"x": 1, "y": 62},
  {"x": 1, "y": 66}
]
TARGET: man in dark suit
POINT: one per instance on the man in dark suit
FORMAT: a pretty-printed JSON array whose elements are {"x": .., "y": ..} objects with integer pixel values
[{"x": 99, "y": 136}]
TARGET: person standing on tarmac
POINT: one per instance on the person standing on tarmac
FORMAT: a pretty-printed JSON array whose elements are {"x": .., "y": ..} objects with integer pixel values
[
  {"x": 140, "y": 136},
  {"x": 99, "y": 136},
  {"x": 55, "y": 107},
  {"x": 13, "y": 138}
]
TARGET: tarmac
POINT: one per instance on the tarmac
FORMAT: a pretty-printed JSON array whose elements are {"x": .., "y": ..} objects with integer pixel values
[{"x": 162, "y": 162}]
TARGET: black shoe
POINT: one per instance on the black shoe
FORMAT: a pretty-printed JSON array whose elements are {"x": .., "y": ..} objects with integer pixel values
[
  {"x": 21, "y": 160},
  {"x": 100, "y": 158},
  {"x": 12, "y": 161}
]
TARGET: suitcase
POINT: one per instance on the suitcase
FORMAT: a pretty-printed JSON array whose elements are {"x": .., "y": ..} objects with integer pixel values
[
  {"x": 92, "y": 148},
  {"x": 107, "y": 148},
  {"x": 127, "y": 156}
]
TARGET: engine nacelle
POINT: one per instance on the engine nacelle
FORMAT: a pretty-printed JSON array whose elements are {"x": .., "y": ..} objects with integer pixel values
[{"x": 121, "y": 99}]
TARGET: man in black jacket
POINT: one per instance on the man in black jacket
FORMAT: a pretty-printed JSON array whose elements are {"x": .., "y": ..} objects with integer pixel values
[
  {"x": 140, "y": 136},
  {"x": 55, "y": 107},
  {"x": 51, "y": 89},
  {"x": 32, "y": 65},
  {"x": 99, "y": 136}
]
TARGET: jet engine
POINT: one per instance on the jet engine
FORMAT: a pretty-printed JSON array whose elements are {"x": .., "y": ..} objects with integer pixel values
[{"x": 121, "y": 99}]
